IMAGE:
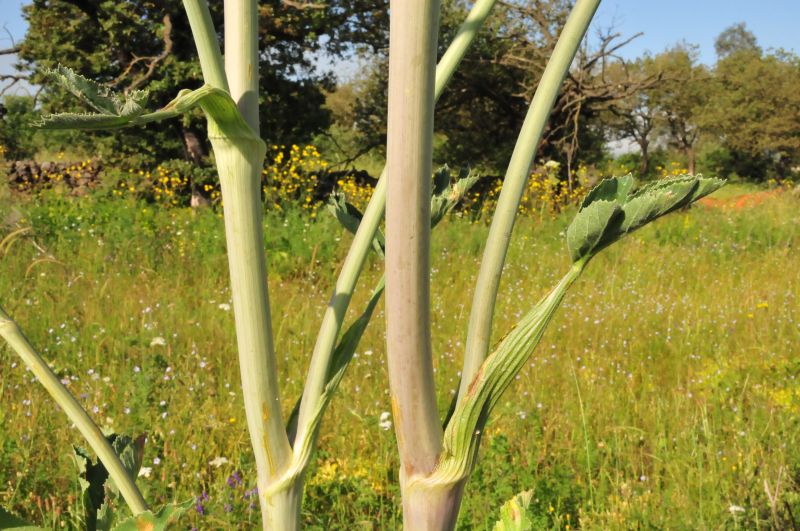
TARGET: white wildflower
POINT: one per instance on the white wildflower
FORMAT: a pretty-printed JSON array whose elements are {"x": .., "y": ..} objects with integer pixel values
[
  {"x": 218, "y": 462},
  {"x": 385, "y": 422},
  {"x": 158, "y": 342}
]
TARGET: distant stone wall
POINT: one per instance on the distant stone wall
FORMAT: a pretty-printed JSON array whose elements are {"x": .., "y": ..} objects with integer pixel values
[{"x": 29, "y": 176}]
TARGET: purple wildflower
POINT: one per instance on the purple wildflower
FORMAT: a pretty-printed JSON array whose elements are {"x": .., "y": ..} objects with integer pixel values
[
  {"x": 201, "y": 510},
  {"x": 234, "y": 480}
]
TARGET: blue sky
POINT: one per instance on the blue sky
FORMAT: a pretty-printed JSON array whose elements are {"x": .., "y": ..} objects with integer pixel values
[{"x": 774, "y": 22}]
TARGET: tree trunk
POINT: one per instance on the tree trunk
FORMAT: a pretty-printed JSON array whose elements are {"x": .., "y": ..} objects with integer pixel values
[
  {"x": 644, "y": 164},
  {"x": 194, "y": 147},
  {"x": 690, "y": 160}
]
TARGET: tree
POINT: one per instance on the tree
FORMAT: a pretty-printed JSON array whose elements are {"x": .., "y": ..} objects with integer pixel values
[
  {"x": 681, "y": 98},
  {"x": 754, "y": 107},
  {"x": 635, "y": 117},
  {"x": 16, "y": 133},
  {"x": 480, "y": 117},
  {"x": 736, "y": 38},
  {"x": 140, "y": 44}
]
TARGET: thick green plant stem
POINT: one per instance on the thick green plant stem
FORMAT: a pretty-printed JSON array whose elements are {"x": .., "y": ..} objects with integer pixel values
[
  {"x": 333, "y": 319},
  {"x": 283, "y": 507},
  {"x": 516, "y": 178},
  {"x": 111, "y": 461},
  {"x": 241, "y": 57},
  {"x": 239, "y": 165},
  {"x": 205, "y": 39},
  {"x": 239, "y": 154},
  {"x": 413, "y": 36},
  {"x": 240, "y": 161}
]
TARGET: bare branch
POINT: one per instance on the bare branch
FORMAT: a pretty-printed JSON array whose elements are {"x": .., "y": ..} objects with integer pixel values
[
  {"x": 153, "y": 61},
  {"x": 13, "y": 79}
]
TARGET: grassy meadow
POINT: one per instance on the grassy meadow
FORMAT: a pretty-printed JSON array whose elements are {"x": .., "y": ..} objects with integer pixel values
[{"x": 665, "y": 394}]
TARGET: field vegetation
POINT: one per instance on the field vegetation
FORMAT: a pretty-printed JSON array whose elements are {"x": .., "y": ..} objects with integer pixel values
[{"x": 665, "y": 395}]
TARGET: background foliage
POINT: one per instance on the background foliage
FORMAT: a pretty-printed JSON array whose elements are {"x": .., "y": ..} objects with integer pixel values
[{"x": 664, "y": 106}]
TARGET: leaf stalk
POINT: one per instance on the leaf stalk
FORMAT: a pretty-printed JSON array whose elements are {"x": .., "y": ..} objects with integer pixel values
[
  {"x": 516, "y": 178},
  {"x": 111, "y": 461}
]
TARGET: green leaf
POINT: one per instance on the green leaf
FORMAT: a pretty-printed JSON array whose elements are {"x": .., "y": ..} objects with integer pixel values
[
  {"x": 117, "y": 110},
  {"x": 706, "y": 186},
  {"x": 514, "y": 514},
  {"x": 132, "y": 104},
  {"x": 93, "y": 94},
  {"x": 165, "y": 518},
  {"x": 105, "y": 517},
  {"x": 350, "y": 217},
  {"x": 446, "y": 195},
  {"x": 654, "y": 203},
  {"x": 114, "y": 109},
  {"x": 131, "y": 453},
  {"x": 615, "y": 189},
  {"x": 100, "y": 493},
  {"x": 590, "y": 226},
  {"x": 91, "y": 478},
  {"x": 612, "y": 210},
  {"x": 11, "y": 521},
  {"x": 441, "y": 180},
  {"x": 609, "y": 212},
  {"x": 89, "y": 122}
]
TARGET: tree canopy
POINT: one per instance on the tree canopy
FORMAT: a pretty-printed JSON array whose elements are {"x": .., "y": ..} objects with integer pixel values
[
  {"x": 740, "y": 115},
  {"x": 148, "y": 45}
]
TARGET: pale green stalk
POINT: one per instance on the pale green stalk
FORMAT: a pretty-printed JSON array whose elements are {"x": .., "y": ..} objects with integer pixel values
[
  {"x": 317, "y": 383},
  {"x": 205, "y": 40},
  {"x": 239, "y": 161},
  {"x": 362, "y": 243},
  {"x": 111, "y": 461},
  {"x": 516, "y": 179},
  {"x": 241, "y": 57}
]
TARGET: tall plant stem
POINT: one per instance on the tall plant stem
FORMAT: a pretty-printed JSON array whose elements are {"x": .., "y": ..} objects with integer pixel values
[
  {"x": 516, "y": 178},
  {"x": 116, "y": 470},
  {"x": 241, "y": 57},
  {"x": 412, "y": 62},
  {"x": 239, "y": 163},
  {"x": 334, "y": 316},
  {"x": 205, "y": 39}
]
